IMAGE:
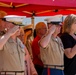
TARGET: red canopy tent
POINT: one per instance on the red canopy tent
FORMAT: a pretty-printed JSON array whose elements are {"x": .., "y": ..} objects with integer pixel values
[
  {"x": 38, "y": 7},
  {"x": 63, "y": 3},
  {"x": 32, "y": 8}
]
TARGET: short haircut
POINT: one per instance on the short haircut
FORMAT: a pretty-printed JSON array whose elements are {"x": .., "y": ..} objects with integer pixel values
[{"x": 39, "y": 25}]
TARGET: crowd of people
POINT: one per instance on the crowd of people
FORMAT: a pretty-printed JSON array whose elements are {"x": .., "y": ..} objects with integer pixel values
[{"x": 47, "y": 50}]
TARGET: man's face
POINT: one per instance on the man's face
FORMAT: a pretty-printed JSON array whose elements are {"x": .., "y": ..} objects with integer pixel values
[
  {"x": 2, "y": 25},
  {"x": 5, "y": 26},
  {"x": 43, "y": 30},
  {"x": 58, "y": 28}
]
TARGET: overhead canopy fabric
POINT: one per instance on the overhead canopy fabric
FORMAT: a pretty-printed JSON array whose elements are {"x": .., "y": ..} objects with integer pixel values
[
  {"x": 30, "y": 8},
  {"x": 62, "y": 3}
]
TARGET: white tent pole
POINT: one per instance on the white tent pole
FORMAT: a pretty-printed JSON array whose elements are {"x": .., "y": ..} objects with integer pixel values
[{"x": 32, "y": 21}]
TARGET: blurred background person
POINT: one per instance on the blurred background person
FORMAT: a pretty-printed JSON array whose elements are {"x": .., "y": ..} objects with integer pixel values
[
  {"x": 69, "y": 41},
  {"x": 28, "y": 61},
  {"x": 40, "y": 31},
  {"x": 28, "y": 38}
]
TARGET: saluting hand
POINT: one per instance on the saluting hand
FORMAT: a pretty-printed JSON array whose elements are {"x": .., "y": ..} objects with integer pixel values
[
  {"x": 13, "y": 30},
  {"x": 52, "y": 29}
]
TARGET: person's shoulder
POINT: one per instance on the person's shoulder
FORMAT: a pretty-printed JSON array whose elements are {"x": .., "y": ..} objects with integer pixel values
[
  {"x": 19, "y": 41},
  {"x": 65, "y": 35}
]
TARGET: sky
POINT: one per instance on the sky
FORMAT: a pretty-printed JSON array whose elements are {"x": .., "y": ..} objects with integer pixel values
[{"x": 36, "y": 20}]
